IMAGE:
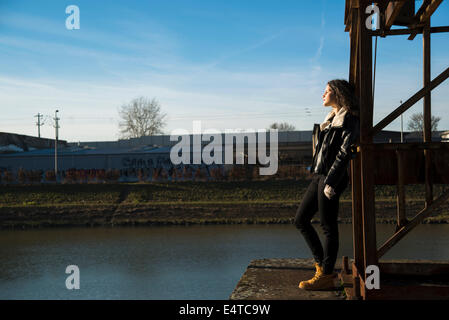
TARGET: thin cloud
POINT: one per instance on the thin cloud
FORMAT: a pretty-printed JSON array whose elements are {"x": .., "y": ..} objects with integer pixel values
[
  {"x": 319, "y": 51},
  {"x": 252, "y": 47}
]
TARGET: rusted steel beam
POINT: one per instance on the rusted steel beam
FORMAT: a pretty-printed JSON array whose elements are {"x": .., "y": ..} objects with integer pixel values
[
  {"x": 355, "y": 163},
  {"x": 417, "y": 17},
  {"x": 357, "y": 226},
  {"x": 366, "y": 123},
  {"x": 368, "y": 208},
  {"x": 385, "y": 163},
  {"x": 430, "y": 9},
  {"x": 415, "y": 27},
  {"x": 427, "y": 112},
  {"x": 353, "y": 59},
  {"x": 422, "y": 268},
  {"x": 428, "y": 176},
  {"x": 356, "y": 282},
  {"x": 347, "y": 13},
  {"x": 412, "y": 291},
  {"x": 439, "y": 29},
  {"x": 345, "y": 265},
  {"x": 413, "y": 223},
  {"x": 404, "y": 288},
  {"x": 402, "y": 219},
  {"x": 426, "y": 82},
  {"x": 406, "y": 16},
  {"x": 349, "y": 10},
  {"x": 414, "y": 33},
  {"x": 402, "y": 32},
  {"x": 410, "y": 102},
  {"x": 382, "y": 4},
  {"x": 392, "y": 11},
  {"x": 364, "y": 293},
  {"x": 412, "y": 146},
  {"x": 422, "y": 9},
  {"x": 365, "y": 70}
]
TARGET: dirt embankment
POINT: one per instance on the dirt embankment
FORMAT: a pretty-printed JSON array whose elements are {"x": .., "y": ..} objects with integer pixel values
[
  {"x": 182, "y": 214},
  {"x": 123, "y": 205}
]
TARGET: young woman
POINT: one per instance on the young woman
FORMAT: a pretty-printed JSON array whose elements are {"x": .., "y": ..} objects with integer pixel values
[{"x": 333, "y": 139}]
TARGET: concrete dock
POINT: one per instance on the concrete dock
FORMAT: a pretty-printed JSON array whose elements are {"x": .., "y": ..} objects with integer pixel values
[{"x": 278, "y": 279}]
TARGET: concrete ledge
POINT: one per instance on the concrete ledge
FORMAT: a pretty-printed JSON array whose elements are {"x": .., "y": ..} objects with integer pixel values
[{"x": 278, "y": 279}]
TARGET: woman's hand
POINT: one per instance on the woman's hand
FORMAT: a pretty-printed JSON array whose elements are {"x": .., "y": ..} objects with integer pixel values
[{"x": 329, "y": 192}]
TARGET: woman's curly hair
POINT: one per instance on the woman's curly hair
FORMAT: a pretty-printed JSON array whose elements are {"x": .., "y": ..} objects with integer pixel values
[{"x": 345, "y": 95}]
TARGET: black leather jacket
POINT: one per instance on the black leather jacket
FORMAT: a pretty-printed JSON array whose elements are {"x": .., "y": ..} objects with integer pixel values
[{"x": 332, "y": 148}]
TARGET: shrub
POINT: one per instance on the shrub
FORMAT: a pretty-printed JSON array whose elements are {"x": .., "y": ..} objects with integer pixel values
[
  {"x": 91, "y": 175},
  {"x": 303, "y": 173},
  {"x": 200, "y": 174},
  {"x": 156, "y": 174},
  {"x": 21, "y": 176},
  {"x": 112, "y": 175},
  {"x": 9, "y": 177},
  {"x": 141, "y": 175},
  {"x": 187, "y": 173},
  {"x": 101, "y": 175},
  {"x": 217, "y": 174},
  {"x": 174, "y": 174},
  {"x": 70, "y": 176},
  {"x": 179, "y": 173},
  {"x": 163, "y": 174},
  {"x": 34, "y": 176},
  {"x": 81, "y": 176},
  {"x": 237, "y": 173},
  {"x": 50, "y": 176}
]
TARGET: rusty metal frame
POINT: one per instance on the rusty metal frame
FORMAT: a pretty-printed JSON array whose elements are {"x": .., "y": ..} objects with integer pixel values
[{"x": 362, "y": 176}]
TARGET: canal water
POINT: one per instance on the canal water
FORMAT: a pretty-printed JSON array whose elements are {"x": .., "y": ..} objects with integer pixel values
[{"x": 175, "y": 262}]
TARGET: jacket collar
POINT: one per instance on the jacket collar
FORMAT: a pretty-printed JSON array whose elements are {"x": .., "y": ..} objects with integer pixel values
[{"x": 334, "y": 120}]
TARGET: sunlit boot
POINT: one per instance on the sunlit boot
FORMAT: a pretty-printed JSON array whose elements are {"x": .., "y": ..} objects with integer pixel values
[
  {"x": 319, "y": 282},
  {"x": 318, "y": 268},
  {"x": 318, "y": 272}
]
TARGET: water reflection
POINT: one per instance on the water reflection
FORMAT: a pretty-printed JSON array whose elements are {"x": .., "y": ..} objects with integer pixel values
[{"x": 196, "y": 262}]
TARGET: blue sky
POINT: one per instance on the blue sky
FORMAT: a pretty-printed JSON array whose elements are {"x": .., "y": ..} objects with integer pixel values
[{"x": 231, "y": 64}]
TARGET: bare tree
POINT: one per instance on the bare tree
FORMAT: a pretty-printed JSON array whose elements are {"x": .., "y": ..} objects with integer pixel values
[
  {"x": 416, "y": 123},
  {"x": 282, "y": 126},
  {"x": 141, "y": 117}
]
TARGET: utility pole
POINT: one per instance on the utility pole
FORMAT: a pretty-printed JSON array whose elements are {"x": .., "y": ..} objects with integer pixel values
[
  {"x": 56, "y": 143},
  {"x": 39, "y": 124}
]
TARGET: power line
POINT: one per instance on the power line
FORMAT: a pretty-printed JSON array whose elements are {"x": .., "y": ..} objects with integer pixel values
[{"x": 251, "y": 115}]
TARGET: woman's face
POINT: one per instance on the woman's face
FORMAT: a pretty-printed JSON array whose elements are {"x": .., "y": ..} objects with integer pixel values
[{"x": 328, "y": 97}]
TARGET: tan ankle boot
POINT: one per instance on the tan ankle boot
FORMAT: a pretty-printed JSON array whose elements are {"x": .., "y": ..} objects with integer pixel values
[{"x": 320, "y": 281}]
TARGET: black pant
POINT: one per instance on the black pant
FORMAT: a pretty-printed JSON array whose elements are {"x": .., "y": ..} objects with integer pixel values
[{"x": 315, "y": 200}]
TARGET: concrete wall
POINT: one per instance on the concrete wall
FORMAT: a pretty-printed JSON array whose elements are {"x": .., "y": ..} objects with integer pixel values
[{"x": 79, "y": 161}]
